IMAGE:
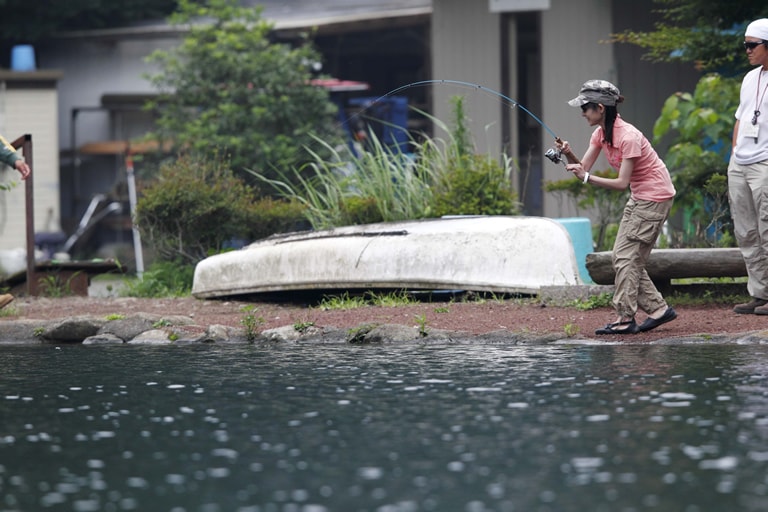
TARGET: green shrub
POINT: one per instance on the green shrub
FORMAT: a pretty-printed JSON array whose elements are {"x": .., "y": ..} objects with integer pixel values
[
  {"x": 162, "y": 279},
  {"x": 471, "y": 184},
  {"x": 474, "y": 185},
  {"x": 193, "y": 208},
  {"x": 360, "y": 210},
  {"x": 197, "y": 206},
  {"x": 700, "y": 126},
  {"x": 268, "y": 216}
]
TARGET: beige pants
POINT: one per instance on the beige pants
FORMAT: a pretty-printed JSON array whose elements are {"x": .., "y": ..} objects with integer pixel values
[
  {"x": 748, "y": 198},
  {"x": 639, "y": 228}
]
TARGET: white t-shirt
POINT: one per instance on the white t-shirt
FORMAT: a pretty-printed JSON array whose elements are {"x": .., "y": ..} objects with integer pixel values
[{"x": 747, "y": 150}]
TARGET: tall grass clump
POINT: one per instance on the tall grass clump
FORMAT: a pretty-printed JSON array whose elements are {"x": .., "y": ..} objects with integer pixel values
[
  {"x": 379, "y": 184},
  {"x": 382, "y": 184}
]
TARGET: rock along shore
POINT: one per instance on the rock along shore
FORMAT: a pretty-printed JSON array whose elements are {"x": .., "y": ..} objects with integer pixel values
[
  {"x": 152, "y": 329},
  {"x": 547, "y": 319}
]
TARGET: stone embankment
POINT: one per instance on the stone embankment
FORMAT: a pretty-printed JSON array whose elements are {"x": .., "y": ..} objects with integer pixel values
[{"x": 151, "y": 329}]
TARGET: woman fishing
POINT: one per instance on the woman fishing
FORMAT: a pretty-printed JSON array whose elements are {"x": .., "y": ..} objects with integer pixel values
[{"x": 651, "y": 195}]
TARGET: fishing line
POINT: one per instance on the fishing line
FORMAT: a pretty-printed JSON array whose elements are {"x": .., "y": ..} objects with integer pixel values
[{"x": 423, "y": 83}]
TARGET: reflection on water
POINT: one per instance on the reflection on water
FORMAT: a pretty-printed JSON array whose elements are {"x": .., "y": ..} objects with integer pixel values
[{"x": 385, "y": 429}]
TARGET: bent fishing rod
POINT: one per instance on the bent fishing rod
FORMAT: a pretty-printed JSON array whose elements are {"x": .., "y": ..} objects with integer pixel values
[{"x": 552, "y": 154}]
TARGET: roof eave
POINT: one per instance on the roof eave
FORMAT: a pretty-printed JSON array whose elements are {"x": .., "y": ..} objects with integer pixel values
[{"x": 322, "y": 25}]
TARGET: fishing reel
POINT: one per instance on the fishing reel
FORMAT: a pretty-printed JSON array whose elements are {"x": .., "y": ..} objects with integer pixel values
[{"x": 555, "y": 155}]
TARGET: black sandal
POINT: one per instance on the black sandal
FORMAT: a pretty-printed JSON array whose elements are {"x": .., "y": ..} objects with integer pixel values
[
  {"x": 631, "y": 328},
  {"x": 652, "y": 323}
]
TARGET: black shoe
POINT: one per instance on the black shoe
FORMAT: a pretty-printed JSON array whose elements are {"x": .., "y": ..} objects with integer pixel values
[
  {"x": 652, "y": 323},
  {"x": 610, "y": 328},
  {"x": 749, "y": 307}
]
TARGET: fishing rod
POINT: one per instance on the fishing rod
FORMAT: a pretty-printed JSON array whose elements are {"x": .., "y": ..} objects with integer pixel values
[
  {"x": 552, "y": 154},
  {"x": 470, "y": 85}
]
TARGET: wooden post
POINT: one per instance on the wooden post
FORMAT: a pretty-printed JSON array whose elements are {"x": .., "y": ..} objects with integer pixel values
[{"x": 25, "y": 143}]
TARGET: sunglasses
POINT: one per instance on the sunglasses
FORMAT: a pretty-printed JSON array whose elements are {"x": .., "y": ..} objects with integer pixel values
[{"x": 751, "y": 45}]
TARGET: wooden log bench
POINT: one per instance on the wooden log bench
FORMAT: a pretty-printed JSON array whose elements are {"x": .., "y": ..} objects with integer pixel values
[
  {"x": 65, "y": 277},
  {"x": 664, "y": 265}
]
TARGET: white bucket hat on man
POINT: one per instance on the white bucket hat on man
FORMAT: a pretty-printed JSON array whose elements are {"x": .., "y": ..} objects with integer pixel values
[{"x": 758, "y": 29}]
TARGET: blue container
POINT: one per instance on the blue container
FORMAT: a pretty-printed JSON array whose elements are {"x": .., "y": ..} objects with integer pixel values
[
  {"x": 580, "y": 230},
  {"x": 391, "y": 119},
  {"x": 23, "y": 58}
]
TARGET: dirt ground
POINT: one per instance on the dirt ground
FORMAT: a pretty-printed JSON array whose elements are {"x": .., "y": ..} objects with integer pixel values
[{"x": 470, "y": 317}]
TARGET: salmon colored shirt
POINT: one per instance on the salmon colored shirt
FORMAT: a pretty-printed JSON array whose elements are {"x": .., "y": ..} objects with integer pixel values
[{"x": 650, "y": 180}]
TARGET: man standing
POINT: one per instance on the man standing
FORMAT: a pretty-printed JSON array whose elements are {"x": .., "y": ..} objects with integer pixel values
[
  {"x": 8, "y": 156},
  {"x": 748, "y": 170}
]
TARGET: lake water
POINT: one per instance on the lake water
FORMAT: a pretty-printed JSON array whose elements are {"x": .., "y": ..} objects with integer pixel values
[{"x": 304, "y": 428}]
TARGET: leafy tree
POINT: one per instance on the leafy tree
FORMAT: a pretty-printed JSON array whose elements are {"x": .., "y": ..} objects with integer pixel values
[
  {"x": 706, "y": 32},
  {"x": 25, "y": 21},
  {"x": 228, "y": 87},
  {"x": 702, "y": 124}
]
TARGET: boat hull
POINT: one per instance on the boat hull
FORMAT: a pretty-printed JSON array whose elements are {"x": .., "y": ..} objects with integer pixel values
[{"x": 503, "y": 254}]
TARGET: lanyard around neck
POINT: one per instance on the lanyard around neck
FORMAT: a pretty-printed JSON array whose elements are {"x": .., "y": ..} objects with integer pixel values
[{"x": 758, "y": 98}]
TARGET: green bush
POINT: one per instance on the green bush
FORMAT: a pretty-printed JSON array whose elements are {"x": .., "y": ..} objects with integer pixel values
[
  {"x": 163, "y": 279},
  {"x": 268, "y": 216},
  {"x": 474, "y": 185},
  {"x": 700, "y": 126},
  {"x": 195, "y": 207},
  {"x": 471, "y": 184},
  {"x": 360, "y": 210}
]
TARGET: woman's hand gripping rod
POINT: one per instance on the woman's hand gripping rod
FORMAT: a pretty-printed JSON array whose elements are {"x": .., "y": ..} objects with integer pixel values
[{"x": 556, "y": 155}]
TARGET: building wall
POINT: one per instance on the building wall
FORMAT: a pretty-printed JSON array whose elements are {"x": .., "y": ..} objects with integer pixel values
[
  {"x": 467, "y": 44},
  {"x": 466, "y": 47},
  {"x": 572, "y": 32},
  {"x": 95, "y": 67},
  {"x": 101, "y": 67},
  {"x": 28, "y": 107}
]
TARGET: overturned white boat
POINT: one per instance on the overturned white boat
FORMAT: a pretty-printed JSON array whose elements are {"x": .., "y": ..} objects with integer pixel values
[{"x": 497, "y": 254}]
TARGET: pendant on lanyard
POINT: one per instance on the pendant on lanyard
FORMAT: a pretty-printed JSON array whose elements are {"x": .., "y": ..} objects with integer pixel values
[{"x": 754, "y": 129}]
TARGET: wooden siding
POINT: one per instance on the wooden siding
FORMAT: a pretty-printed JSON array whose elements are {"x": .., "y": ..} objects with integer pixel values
[{"x": 31, "y": 111}]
